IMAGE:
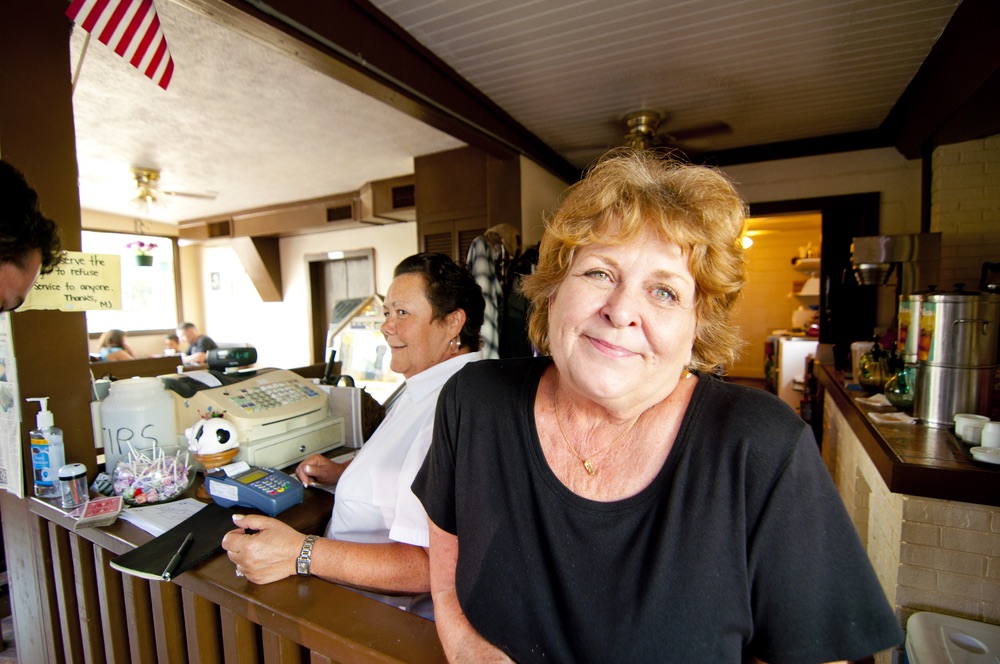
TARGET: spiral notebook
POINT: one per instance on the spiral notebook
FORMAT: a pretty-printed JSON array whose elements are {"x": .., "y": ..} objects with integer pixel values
[{"x": 152, "y": 559}]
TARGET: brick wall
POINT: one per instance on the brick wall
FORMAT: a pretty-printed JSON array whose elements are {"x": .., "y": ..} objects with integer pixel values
[
  {"x": 929, "y": 554},
  {"x": 965, "y": 208}
]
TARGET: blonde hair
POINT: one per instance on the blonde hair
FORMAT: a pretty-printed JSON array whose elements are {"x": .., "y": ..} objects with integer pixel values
[{"x": 628, "y": 193}]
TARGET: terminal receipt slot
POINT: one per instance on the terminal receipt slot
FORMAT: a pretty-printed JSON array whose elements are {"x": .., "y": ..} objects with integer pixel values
[{"x": 281, "y": 418}]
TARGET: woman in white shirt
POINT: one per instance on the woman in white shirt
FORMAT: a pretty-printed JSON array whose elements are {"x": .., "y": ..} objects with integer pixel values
[{"x": 378, "y": 535}]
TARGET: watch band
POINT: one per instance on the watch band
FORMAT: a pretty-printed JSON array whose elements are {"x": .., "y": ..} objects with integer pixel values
[{"x": 305, "y": 556}]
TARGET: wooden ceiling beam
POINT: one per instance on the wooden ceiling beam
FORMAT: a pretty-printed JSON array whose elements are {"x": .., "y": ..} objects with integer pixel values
[{"x": 958, "y": 71}]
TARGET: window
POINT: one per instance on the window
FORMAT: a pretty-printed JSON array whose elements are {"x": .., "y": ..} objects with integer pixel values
[{"x": 149, "y": 296}]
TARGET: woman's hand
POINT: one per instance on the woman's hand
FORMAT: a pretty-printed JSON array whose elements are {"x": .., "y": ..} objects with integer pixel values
[
  {"x": 264, "y": 556},
  {"x": 317, "y": 469}
]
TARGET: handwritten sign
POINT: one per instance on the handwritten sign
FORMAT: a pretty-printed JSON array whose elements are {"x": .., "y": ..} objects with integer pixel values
[{"x": 81, "y": 282}]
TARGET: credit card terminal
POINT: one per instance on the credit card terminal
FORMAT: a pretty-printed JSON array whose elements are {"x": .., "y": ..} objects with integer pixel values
[{"x": 269, "y": 490}]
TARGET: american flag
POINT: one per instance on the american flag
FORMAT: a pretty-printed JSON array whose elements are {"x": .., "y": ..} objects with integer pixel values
[{"x": 132, "y": 29}]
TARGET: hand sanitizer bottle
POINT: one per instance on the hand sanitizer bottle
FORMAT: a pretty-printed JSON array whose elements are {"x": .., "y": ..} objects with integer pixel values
[{"x": 47, "y": 452}]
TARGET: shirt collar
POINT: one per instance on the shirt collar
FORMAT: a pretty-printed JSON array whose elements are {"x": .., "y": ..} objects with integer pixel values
[{"x": 429, "y": 380}]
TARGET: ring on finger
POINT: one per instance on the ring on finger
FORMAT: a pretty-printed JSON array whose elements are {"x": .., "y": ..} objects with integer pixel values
[{"x": 239, "y": 572}]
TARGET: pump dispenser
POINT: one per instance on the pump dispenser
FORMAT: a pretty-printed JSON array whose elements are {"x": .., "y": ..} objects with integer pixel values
[{"x": 47, "y": 452}]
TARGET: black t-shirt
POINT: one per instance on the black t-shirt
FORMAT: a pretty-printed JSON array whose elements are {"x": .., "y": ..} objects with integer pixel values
[
  {"x": 202, "y": 344},
  {"x": 740, "y": 546}
]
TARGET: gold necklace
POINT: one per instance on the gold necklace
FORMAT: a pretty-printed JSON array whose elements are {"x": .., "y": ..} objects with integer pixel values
[{"x": 586, "y": 462}]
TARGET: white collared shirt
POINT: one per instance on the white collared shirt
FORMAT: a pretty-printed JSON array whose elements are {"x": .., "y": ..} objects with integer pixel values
[{"x": 374, "y": 503}]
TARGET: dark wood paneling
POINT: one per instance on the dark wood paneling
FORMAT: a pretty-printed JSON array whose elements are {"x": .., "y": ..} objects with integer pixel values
[
  {"x": 62, "y": 568},
  {"x": 139, "y": 620},
  {"x": 279, "y": 650},
  {"x": 203, "y": 629},
  {"x": 451, "y": 185},
  {"x": 149, "y": 367},
  {"x": 112, "y": 608},
  {"x": 88, "y": 598},
  {"x": 168, "y": 622},
  {"x": 241, "y": 639}
]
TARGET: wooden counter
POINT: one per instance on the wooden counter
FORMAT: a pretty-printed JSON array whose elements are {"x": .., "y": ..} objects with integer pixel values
[
  {"x": 914, "y": 459},
  {"x": 208, "y": 614}
]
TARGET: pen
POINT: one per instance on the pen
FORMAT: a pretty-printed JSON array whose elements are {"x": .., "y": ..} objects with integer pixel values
[{"x": 172, "y": 565}]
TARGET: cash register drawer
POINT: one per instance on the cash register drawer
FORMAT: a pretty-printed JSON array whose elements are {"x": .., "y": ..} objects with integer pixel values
[{"x": 288, "y": 450}]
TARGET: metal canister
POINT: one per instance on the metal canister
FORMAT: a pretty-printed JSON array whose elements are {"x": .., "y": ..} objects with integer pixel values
[
  {"x": 957, "y": 355},
  {"x": 959, "y": 329}
]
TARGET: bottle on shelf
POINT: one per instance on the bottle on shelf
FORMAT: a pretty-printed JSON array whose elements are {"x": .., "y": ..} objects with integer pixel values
[{"x": 47, "y": 451}]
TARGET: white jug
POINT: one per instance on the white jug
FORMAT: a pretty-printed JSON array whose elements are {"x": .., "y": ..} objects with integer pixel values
[{"x": 138, "y": 415}]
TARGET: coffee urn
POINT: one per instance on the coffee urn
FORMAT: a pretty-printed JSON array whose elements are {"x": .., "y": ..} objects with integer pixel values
[{"x": 956, "y": 354}]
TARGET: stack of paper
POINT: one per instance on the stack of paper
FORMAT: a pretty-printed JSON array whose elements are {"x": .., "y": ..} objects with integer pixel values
[{"x": 159, "y": 518}]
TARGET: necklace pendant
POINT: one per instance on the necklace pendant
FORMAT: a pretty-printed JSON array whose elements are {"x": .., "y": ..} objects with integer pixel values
[{"x": 590, "y": 468}]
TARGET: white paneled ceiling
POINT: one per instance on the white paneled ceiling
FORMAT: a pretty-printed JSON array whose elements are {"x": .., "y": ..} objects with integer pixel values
[
  {"x": 255, "y": 127},
  {"x": 774, "y": 70}
]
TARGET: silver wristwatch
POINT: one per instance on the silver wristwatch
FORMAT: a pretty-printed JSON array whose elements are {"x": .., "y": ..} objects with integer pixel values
[{"x": 305, "y": 556}]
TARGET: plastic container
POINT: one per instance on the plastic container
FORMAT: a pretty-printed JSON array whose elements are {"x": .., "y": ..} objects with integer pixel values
[
  {"x": 73, "y": 485},
  {"x": 934, "y": 638},
  {"x": 137, "y": 415},
  {"x": 47, "y": 452}
]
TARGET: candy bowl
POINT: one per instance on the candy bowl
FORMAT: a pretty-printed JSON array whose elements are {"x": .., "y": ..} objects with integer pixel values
[{"x": 156, "y": 475}]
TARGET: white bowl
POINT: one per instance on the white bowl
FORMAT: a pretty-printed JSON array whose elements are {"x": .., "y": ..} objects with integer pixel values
[{"x": 969, "y": 426}]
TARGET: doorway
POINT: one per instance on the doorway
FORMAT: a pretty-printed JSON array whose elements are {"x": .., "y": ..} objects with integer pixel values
[
  {"x": 848, "y": 311},
  {"x": 335, "y": 276}
]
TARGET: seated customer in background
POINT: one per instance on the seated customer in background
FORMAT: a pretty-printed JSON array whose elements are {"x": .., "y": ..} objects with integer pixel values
[
  {"x": 617, "y": 501},
  {"x": 171, "y": 345},
  {"x": 377, "y": 536},
  {"x": 29, "y": 241},
  {"x": 112, "y": 346},
  {"x": 198, "y": 344}
]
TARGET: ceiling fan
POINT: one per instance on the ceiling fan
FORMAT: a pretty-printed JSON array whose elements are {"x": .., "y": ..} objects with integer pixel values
[
  {"x": 148, "y": 192},
  {"x": 643, "y": 131}
]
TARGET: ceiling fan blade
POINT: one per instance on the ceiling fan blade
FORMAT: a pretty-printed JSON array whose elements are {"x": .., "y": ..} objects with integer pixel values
[
  {"x": 208, "y": 195},
  {"x": 699, "y": 131}
]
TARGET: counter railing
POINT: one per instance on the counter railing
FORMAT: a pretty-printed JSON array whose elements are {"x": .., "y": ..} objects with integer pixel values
[
  {"x": 914, "y": 459},
  {"x": 207, "y": 614}
]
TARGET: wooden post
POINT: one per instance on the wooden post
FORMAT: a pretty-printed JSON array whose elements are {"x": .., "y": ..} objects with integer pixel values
[{"x": 50, "y": 347}]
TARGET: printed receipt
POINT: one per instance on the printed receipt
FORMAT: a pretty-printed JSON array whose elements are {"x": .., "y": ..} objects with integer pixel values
[{"x": 158, "y": 519}]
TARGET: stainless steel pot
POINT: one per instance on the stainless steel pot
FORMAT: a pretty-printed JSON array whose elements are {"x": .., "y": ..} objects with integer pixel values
[
  {"x": 959, "y": 329},
  {"x": 942, "y": 392},
  {"x": 957, "y": 355}
]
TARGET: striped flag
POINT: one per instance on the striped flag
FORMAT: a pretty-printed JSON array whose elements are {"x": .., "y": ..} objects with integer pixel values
[{"x": 132, "y": 29}]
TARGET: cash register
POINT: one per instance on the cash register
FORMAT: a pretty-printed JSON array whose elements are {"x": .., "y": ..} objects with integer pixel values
[{"x": 281, "y": 417}]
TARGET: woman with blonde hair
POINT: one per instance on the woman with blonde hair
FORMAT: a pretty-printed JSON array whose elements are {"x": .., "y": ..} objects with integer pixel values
[{"x": 617, "y": 500}]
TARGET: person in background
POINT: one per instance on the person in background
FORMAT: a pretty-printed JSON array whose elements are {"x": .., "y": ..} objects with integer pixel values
[
  {"x": 198, "y": 344},
  {"x": 29, "y": 241},
  {"x": 171, "y": 344},
  {"x": 112, "y": 346},
  {"x": 377, "y": 536},
  {"x": 618, "y": 500}
]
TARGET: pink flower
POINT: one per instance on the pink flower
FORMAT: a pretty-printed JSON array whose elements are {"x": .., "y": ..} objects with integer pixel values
[{"x": 141, "y": 248}]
